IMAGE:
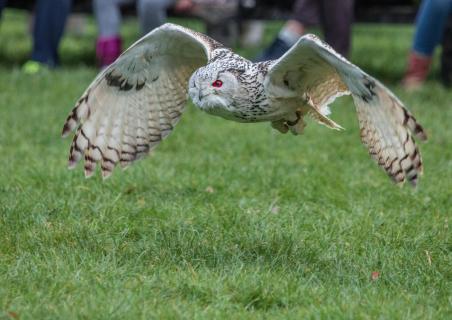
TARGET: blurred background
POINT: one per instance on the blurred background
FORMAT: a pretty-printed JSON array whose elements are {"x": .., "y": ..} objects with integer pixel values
[{"x": 47, "y": 33}]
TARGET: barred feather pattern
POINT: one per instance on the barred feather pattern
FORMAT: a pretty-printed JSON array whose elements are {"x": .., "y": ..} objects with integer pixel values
[
  {"x": 387, "y": 129},
  {"x": 135, "y": 103},
  {"x": 125, "y": 127},
  {"x": 316, "y": 72}
]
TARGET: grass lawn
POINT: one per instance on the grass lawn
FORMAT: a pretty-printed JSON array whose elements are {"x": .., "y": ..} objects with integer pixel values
[{"x": 224, "y": 220}]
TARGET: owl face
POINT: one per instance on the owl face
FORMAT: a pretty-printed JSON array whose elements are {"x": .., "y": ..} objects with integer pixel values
[{"x": 213, "y": 91}]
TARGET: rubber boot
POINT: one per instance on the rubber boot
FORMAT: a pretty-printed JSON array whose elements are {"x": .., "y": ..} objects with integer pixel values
[
  {"x": 108, "y": 50},
  {"x": 417, "y": 71}
]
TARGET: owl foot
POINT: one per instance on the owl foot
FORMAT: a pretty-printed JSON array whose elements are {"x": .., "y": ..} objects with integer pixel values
[
  {"x": 280, "y": 125},
  {"x": 297, "y": 126}
]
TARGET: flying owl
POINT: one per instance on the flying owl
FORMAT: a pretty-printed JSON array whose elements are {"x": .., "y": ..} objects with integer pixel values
[{"x": 133, "y": 104}]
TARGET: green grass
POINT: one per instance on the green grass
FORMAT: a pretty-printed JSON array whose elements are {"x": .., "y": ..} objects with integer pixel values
[{"x": 293, "y": 229}]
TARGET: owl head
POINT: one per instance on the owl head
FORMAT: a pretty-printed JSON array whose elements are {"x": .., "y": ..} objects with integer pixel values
[{"x": 213, "y": 90}]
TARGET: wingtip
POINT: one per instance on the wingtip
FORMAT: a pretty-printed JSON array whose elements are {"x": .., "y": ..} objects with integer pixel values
[
  {"x": 71, "y": 164},
  {"x": 419, "y": 132},
  {"x": 422, "y": 136},
  {"x": 89, "y": 169},
  {"x": 412, "y": 181},
  {"x": 88, "y": 173},
  {"x": 414, "y": 178},
  {"x": 66, "y": 130}
]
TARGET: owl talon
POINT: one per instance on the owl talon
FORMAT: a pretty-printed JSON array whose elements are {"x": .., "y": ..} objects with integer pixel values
[
  {"x": 280, "y": 125},
  {"x": 296, "y": 127},
  {"x": 294, "y": 123}
]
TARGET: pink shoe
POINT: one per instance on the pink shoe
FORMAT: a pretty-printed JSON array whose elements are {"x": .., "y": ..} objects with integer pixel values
[{"x": 108, "y": 50}]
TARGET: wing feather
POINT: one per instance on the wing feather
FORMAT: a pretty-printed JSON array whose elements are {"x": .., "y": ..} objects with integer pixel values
[
  {"x": 316, "y": 73},
  {"x": 135, "y": 103}
]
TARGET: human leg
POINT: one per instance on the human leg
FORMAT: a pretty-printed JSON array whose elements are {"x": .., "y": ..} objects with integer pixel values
[
  {"x": 50, "y": 19},
  {"x": 446, "y": 54},
  {"x": 430, "y": 24},
  {"x": 336, "y": 19},
  {"x": 108, "y": 17},
  {"x": 306, "y": 13},
  {"x": 2, "y": 6},
  {"x": 152, "y": 13}
]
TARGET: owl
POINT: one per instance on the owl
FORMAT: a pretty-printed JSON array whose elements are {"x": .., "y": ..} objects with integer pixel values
[{"x": 133, "y": 104}]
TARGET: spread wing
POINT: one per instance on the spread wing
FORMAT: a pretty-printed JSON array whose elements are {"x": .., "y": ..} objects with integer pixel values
[
  {"x": 136, "y": 102},
  {"x": 313, "y": 71}
]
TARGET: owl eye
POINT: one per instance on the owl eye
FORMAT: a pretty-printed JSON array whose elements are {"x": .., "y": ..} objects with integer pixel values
[{"x": 217, "y": 83}]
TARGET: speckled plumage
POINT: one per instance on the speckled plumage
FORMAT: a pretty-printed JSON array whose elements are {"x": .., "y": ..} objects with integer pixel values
[{"x": 136, "y": 102}]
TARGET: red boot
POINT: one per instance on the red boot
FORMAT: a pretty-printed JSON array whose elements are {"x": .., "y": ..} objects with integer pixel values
[
  {"x": 108, "y": 50},
  {"x": 417, "y": 71}
]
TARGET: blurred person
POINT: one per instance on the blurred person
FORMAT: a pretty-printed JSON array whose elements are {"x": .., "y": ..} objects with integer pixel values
[
  {"x": 430, "y": 25},
  {"x": 2, "y": 5},
  {"x": 334, "y": 16},
  {"x": 446, "y": 55},
  {"x": 48, "y": 27},
  {"x": 151, "y": 14},
  {"x": 251, "y": 33},
  {"x": 218, "y": 16}
]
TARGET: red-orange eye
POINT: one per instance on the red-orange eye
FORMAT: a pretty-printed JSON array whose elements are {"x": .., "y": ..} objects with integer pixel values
[{"x": 217, "y": 83}]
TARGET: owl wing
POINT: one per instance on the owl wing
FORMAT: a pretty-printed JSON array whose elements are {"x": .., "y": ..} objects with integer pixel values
[
  {"x": 313, "y": 71},
  {"x": 136, "y": 102}
]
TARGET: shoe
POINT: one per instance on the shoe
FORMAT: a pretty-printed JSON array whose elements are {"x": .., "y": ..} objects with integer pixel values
[
  {"x": 417, "y": 71},
  {"x": 108, "y": 50},
  {"x": 274, "y": 51},
  {"x": 34, "y": 67}
]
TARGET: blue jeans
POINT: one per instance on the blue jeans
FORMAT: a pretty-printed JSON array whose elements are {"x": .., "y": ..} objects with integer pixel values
[
  {"x": 430, "y": 24},
  {"x": 50, "y": 19}
]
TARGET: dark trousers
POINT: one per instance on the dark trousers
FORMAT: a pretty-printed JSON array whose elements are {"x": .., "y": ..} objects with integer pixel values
[
  {"x": 50, "y": 19},
  {"x": 446, "y": 54},
  {"x": 334, "y": 16},
  {"x": 2, "y": 5}
]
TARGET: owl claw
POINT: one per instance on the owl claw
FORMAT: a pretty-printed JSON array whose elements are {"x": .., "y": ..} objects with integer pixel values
[
  {"x": 280, "y": 125},
  {"x": 294, "y": 122},
  {"x": 296, "y": 127}
]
